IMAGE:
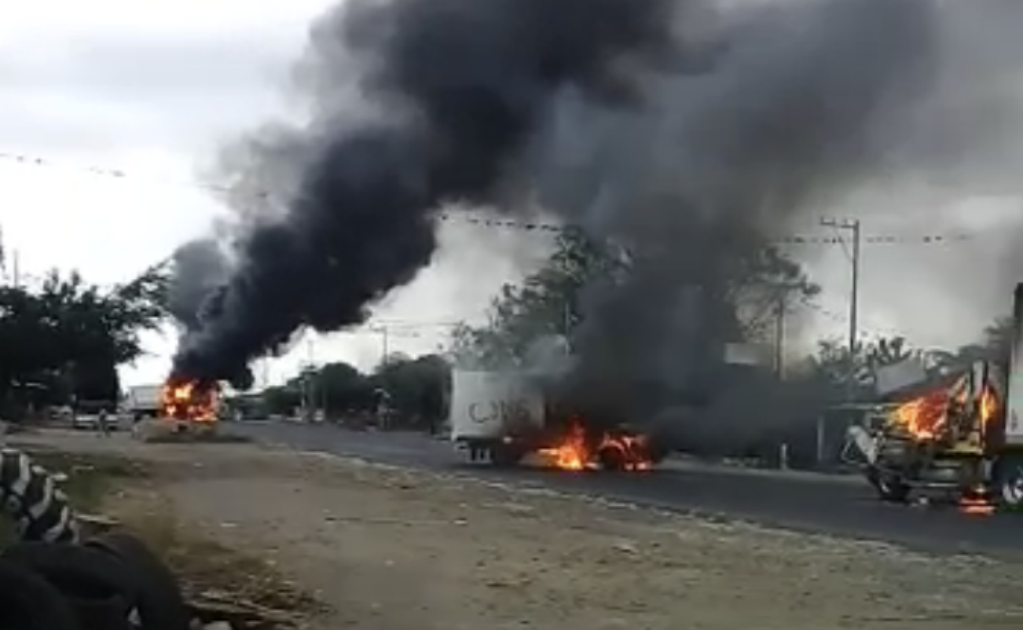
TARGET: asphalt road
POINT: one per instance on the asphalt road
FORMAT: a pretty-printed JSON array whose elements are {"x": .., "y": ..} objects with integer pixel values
[{"x": 810, "y": 503}]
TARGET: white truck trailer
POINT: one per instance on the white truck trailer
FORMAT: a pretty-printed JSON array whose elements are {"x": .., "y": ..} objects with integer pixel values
[
  {"x": 495, "y": 417},
  {"x": 144, "y": 401}
]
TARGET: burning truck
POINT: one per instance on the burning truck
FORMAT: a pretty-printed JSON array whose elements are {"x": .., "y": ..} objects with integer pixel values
[
  {"x": 963, "y": 438},
  {"x": 500, "y": 417},
  {"x": 191, "y": 405}
]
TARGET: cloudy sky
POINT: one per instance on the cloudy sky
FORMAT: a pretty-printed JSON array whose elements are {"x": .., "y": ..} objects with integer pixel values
[{"x": 109, "y": 110}]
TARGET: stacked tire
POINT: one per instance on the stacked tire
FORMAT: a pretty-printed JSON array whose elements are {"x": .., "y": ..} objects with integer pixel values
[
  {"x": 112, "y": 582},
  {"x": 51, "y": 581}
]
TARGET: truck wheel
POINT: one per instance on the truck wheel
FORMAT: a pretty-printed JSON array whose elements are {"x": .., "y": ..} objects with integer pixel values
[
  {"x": 1009, "y": 480},
  {"x": 889, "y": 486},
  {"x": 480, "y": 455},
  {"x": 612, "y": 459},
  {"x": 505, "y": 456}
]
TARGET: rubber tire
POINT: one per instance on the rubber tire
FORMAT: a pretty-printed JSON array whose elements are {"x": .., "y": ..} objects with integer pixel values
[
  {"x": 37, "y": 604},
  {"x": 505, "y": 456},
  {"x": 76, "y": 570},
  {"x": 160, "y": 603},
  {"x": 109, "y": 613},
  {"x": 891, "y": 489},
  {"x": 612, "y": 459},
  {"x": 30, "y": 497},
  {"x": 1008, "y": 474}
]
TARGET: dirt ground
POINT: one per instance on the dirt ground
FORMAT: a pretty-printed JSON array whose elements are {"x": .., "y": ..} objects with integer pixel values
[{"x": 393, "y": 549}]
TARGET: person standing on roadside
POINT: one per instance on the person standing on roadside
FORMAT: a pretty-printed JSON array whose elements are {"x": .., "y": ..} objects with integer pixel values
[{"x": 102, "y": 423}]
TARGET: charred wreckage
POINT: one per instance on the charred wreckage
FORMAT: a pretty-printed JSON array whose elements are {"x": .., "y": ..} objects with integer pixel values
[{"x": 963, "y": 438}]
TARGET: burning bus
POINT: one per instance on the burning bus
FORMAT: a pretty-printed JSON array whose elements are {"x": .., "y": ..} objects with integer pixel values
[{"x": 963, "y": 437}]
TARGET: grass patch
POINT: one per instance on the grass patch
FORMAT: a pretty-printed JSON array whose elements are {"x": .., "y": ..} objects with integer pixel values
[
  {"x": 90, "y": 478},
  {"x": 197, "y": 438},
  {"x": 210, "y": 570}
]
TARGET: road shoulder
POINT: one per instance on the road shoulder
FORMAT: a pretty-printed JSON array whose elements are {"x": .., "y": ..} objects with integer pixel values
[{"x": 393, "y": 548}]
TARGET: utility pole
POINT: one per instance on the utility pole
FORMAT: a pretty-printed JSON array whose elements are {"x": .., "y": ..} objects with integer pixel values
[
  {"x": 16, "y": 269},
  {"x": 310, "y": 393},
  {"x": 779, "y": 337},
  {"x": 384, "y": 331},
  {"x": 852, "y": 226}
]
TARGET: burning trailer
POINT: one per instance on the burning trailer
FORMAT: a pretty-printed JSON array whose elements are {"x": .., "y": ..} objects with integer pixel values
[
  {"x": 500, "y": 417},
  {"x": 964, "y": 438}
]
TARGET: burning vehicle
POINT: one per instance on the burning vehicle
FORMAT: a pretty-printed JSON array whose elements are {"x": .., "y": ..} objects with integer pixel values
[
  {"x": 964, "y": 438},
  {"x": 191, "y": 404},
  {"x": 500, "y": 417}
]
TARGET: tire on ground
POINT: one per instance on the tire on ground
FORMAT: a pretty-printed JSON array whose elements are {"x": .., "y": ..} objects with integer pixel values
[
  {"x": 30, "y": 497},
  {"x": 75, "y": 570},
  {"x": 889, "y": 486},
  {"x": 29, "y": 602},
  {"x": 159, "y": 602}
]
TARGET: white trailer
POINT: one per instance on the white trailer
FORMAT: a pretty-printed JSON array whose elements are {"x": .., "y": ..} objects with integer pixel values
[
  {"x": 495, "y": 417},
  {"x": 144, "y": 401}
]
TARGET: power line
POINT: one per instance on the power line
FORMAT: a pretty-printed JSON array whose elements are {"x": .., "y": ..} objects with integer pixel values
[
  {"x": 501, "y": 223},
  {"x": 839, "y": 318}
]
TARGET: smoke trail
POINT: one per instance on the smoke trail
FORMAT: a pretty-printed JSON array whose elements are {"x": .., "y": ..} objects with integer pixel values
[
  {"x": 458, "y": 87},
  {"x": 199, "y": 269},
  {"x": 805, "y": 102}
]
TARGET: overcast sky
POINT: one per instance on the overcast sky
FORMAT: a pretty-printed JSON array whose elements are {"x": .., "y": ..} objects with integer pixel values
[{"x": 152, "y": 89}]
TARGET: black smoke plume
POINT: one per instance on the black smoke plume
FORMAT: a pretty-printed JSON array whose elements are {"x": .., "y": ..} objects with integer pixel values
[
  {"x": 457, "y": 89},
  {"x": 805, "y": 102}
]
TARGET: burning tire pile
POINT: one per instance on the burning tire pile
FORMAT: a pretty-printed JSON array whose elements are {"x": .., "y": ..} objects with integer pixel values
[{"x": 52, "y": 579}]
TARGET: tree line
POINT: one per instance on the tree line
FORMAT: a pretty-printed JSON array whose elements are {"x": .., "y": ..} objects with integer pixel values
[
  {"x": 64, "y": 338},
  {"x": 547, "y": 302},
  {"x": 410, "y": 392}
]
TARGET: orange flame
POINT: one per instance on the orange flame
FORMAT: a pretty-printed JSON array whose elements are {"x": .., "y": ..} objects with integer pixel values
[
  {"x": 976, "y": 503},
  {"x": 989, "y": 405},
  {"x": 576, "y": 452},
  {"x": 923, "y": 418},
  {"x": 189, "y": 401}
]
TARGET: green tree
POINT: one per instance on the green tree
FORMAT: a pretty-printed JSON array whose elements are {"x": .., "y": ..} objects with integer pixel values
[
  {"x": 417, "y": 388},
  {"x": 888, "y": 351},
  {"x": 547, "y": 302},
  {"x": 69, "y": 336},
  {"x": 339, "y": 387},
  {"x": 995, "y": 344},
  {"x": 282, "y": 400}
]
